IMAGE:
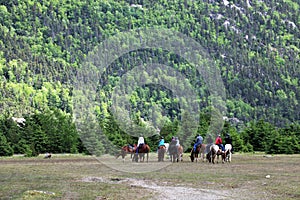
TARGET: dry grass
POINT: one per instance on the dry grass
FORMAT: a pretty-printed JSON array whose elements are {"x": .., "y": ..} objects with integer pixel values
[{"x": 83, "y": 177}]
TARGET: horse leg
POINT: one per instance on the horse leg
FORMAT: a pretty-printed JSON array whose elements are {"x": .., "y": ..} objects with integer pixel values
[
  {"x": 158, "y": 155},
  {"x": 203, "y": 154},
  {"x": 123, "y": 157},
  {"x": 142, "y": 157},
  {"x": 229, "y": 156},
  {"x": 213, "y": 157},
  {"x": 192, "y": 155},
  {"x": 222, "y": 157}
]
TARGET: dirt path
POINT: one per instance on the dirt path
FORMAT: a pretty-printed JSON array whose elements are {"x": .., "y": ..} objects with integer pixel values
[
  {"x": 165, "y": 192},
  {"x": 180, "y": 192}
]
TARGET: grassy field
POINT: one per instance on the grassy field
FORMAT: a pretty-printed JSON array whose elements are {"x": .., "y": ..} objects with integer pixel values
[{"x": 248, "y": 176}]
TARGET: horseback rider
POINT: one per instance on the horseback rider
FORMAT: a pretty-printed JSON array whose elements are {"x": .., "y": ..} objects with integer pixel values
[
  {"x": 173, "y": 141},
  {"x": 172, "y": 147},
  {"x": 173, "y": 138},
  {"x": 177, "y": 142},
  {"x": 141, "y": 142},
  {"x": 228, "y": 140},
  {"x": 199, "y": 141},
  {"x": 219, "y": 142},
  {"x": 161, "y": 142}
]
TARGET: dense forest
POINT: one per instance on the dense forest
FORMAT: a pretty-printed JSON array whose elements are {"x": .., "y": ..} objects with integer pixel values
[{"x": 44, "y": 44}]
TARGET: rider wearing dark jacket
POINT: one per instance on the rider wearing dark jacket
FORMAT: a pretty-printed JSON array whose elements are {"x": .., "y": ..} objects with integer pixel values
[{"x": 228, "y": 140}]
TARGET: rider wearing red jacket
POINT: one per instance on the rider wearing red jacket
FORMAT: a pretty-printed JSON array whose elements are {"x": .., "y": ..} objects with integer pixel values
[{"x": 219, "y": 142}]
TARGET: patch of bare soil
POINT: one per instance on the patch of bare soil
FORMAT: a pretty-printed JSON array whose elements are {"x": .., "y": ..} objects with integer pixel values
[{"x": 165, "y": 192}]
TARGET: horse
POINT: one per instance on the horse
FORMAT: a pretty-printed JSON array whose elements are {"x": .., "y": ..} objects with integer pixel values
[
  {"x": 228, "y": 154},
  {"x": 200, "y": 149},
  {"x": 180, "y": 153},
  {"x": 161, "y": 153},
  {"x": 172, "y": 151},
  {"x": 167, "y": 148},
  {"x": 128, "y": 149},
  {"x": 142, "y": 150},
  {"x": 214, "y": 152},
  {"x": 175, "y": 152}
]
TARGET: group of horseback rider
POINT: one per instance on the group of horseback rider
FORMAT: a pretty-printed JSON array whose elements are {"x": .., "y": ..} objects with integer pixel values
[
  {"x": 199, "y": 141},
  {"x": 218, "y": 141},
  {"x": 141, "y": 141}
]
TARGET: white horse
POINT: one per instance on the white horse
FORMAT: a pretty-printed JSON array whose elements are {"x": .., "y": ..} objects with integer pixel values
[
  {"x": 215, "y": 151},
  {"x": 167, "y": 148},
  {"x": 228, "y": 153}
]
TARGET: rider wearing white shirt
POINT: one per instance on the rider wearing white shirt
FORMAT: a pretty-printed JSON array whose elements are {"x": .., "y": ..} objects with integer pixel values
[{"x": 141, "y": 141}]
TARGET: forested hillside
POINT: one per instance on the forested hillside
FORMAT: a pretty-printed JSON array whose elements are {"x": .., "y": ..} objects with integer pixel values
[{"x": 255, "y": 44}]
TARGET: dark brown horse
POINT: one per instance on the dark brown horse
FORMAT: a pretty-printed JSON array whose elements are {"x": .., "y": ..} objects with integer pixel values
[
  {"x": 128, "y": 149},
  {"x": 161, "y": 153},
  {"x": 142, "y": 150},
  {"x": 200, "y": 149}
]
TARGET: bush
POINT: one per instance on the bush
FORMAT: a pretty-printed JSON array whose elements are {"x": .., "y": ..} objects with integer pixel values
[{"x": 5, "y": 148}]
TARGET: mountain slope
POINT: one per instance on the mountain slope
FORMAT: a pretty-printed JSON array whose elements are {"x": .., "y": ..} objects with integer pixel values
[{"x": 255, "y": 43}]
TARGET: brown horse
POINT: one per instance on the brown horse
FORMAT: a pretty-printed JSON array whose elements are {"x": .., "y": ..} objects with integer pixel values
[
  {"x": 128, "y": 149},
  {"x": 142, "y": 150},
  {"x": 180, "y": 153},
  {"x": 175, "y": 152},
  {"x": 161, "y": 153},
  {"x": 200, "y": 149}
]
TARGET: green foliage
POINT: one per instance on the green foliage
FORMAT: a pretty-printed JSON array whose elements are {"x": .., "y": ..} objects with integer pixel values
[
  {"x": 285, "y": 140},
  {"x": 5, "y": 148},
  {"x": 257, "y": 134},
  {"x": 52, "y": 131},
  {"x": 42, "y": 44}
]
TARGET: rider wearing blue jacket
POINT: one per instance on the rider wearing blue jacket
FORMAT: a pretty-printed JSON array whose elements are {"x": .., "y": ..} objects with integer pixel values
[
  {"x": 161, "y": 142},
  {"x": 199, "y": 141}
]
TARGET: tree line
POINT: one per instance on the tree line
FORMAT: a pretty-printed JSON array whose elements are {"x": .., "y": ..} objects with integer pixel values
[{"x": 55, "y": 132}]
